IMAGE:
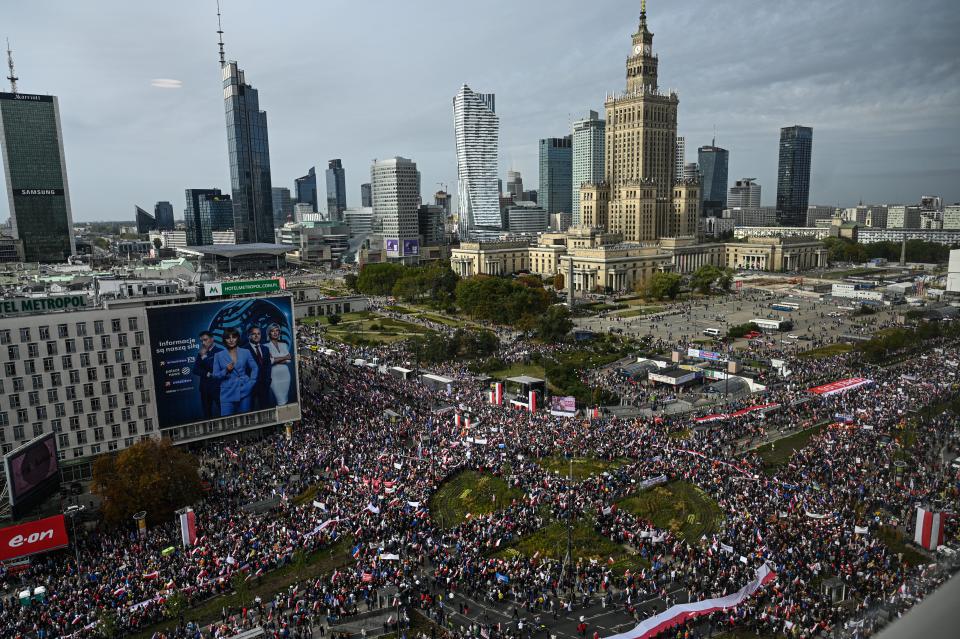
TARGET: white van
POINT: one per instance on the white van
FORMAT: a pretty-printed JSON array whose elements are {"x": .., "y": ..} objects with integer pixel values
[{"x": 711, "y": 332}]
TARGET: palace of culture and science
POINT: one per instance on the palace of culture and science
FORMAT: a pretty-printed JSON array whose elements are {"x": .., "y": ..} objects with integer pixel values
[
  {"x": 641, "y": 196},
  {"x": 642, "y": 218}
]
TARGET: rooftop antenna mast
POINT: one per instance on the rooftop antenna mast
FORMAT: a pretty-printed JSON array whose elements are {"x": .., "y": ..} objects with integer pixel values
[
  {"x": 223, "y": 61},
  {"x": 12, "y": 77}
]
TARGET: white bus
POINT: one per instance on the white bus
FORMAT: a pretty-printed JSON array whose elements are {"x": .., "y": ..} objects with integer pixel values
[{"x": 773, "y": 325}]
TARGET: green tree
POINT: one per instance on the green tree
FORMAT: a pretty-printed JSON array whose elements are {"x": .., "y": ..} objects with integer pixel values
[
  {"x": 379, "y": 279},
  {"x": 350, "y": 279},
  {"x": 175, "y": 605},
  {"x": 157, "y": 243},
  {"x": 742, "y": 329},
  {"x": 554, "y": 325},
  {"x": 663, "y": 285},
  {"x": 704, "y": 277},
  {"x": 108, "y": 627},
  {"x": 503, "y": 300},
  {"x": 558, "y": 281},
  {"x": 151, "y": 475},
  {"x": 334, "y": 319}
]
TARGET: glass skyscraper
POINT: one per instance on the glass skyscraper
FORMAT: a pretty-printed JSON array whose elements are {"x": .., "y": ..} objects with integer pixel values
[
  {"x": 714, "y": 164},
  {"x": 163, "y": 213},
  {"x": 31, "y": 142},
  {"x": 282, "y": 206},
  {"x": 207, "y": 211},
  {"x": 249, "y": 159},
  {"x": 306, "y": 188},
  {"x": 336, "y": 190},
  {"x": 588, "y": 158},
  {"x": 477, "y": 129},
  {"x": 793, "y": 175},
  {"x": 556, "y": 175},
  {"x": 366, "y": 195}
]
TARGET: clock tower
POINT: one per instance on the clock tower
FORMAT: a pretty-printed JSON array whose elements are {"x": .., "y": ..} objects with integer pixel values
[{"x": 642, "y": 64}]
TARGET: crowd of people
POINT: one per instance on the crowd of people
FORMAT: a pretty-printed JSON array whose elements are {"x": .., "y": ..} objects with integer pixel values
[{"x": 372, "y": 449}]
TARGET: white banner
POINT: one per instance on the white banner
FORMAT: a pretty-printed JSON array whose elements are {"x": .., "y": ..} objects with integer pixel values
[{"x": 682, "y": 612}]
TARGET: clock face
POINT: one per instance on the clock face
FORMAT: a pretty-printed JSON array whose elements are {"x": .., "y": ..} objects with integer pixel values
[
  {"x": 637, "y": 49},
  {"x": 646, "y": 49}
]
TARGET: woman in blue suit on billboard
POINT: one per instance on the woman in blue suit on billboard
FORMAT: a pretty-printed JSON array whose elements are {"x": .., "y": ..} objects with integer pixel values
[{"x": 237, "y": 372}]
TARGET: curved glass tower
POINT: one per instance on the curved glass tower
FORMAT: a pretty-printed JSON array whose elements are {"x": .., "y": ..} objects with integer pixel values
[{"x": 477, "y": 130}]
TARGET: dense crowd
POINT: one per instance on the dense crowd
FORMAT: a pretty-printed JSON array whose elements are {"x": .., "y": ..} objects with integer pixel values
[{"x": 373, "y": 448}]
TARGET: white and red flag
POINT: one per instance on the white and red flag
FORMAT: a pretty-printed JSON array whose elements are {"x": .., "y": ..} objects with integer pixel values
[
  {"x": 929, "y": 530},
  {"x": 188, "y": 527}
]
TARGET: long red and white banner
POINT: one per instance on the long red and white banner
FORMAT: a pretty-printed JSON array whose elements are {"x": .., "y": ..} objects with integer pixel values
[
  {"x": 743, "y": 411},
  {"x": 682, "y": 612},
  {"x": 188, "y": 527},
  {"x": 929, "y": 530},
  {"x": 840, "y": 386}
]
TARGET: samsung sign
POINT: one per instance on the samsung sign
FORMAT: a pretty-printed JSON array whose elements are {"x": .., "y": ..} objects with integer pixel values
[
  {"x": 32, "y": 192},
  {"x": 31, "y": 305},
  {"x": 26, "y": 97}
]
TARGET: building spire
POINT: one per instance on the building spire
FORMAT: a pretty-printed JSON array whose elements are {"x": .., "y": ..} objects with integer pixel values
[
  {"x": 13, "y": 76},
  {"x": 220, "y": 34},
  {"x": 643, "y": 8}
]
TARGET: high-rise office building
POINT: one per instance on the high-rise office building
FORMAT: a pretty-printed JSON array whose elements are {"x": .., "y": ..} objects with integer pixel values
[
  {"x": 588, "y": 156},
  {"x": 691, "y": 171},
  {"x": 249, "y": 158},
  {"x": 681, "y": 157},
  {"x": 431, "y": 219},
  {"x": 282, "y": 206},
  {"x": 31, "y": 141},
  {"x": 395, "y": 203},
  {"x": 306, "y": 188},
  {"x": 477, "y": 129},
  {"x": 514, "y": 186},
  {"x": 556, "y": 175},
  {"x": 207, "y": 211},
  {"x": 145, "y": 221},
  {"x": 443, "y": 199},
  {"x": 336, "y": 190},
  {"x": 163, "y": 213},
  {"x": 526, "y": 218},
  {"x": 714, "y": 164},
  {"x": 793, "y": 174},
  {"x": 744, "y": 192},
  {"x": 366, "y": 195}
]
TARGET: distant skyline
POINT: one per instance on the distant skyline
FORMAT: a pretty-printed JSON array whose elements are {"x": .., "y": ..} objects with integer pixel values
[{"x": 142, "y": 107}]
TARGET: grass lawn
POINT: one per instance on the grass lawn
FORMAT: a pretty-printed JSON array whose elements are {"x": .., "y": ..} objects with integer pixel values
[
  {"x": 551, "y": 541},
  {"x": 678, "y": 506},
  {"x": 519, "y": 368},
  {"x": 583, "y": 467},
  {"x": 644, "y": 310},
  {"x": 373, "y": 328},
  {"x": 319, "y": 563},
  {"x": 472, "y": 493},
  {"x": 440, "y": 319},
  {"x": 893, "y": 539},
  {"x": 778, "y": 453},
  {"x": 827, "y": 351}
]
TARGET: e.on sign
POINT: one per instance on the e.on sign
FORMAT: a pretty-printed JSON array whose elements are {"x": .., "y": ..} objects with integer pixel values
[{"x": 32, "y": 537}]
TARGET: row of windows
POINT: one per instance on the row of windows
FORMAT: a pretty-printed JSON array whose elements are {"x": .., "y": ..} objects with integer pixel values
[
  {"x": 63, "y": 330},
  {"x": 70, "y": 346},
  {"x": 42, "y": 411},
  {"x": 79, "y": 437},
  {"x": 18, "y": 384},
  {"x": 66, "y": 361}
]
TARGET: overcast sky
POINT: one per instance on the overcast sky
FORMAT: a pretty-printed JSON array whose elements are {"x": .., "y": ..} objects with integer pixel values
[{"x": 879, "y": 82}]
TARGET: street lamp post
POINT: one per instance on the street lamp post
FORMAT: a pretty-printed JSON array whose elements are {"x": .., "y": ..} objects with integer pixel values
[{"x": 72, "y": 512}]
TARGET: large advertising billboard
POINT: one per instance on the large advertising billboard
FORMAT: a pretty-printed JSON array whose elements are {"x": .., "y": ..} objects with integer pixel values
[
  {"x": 216, "y": 359},
  {"x": 33, "y": 537},
  {"x": 33, "y": 473}
]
